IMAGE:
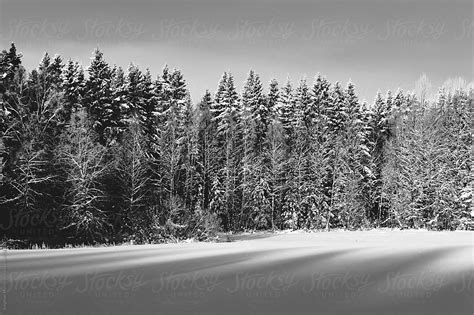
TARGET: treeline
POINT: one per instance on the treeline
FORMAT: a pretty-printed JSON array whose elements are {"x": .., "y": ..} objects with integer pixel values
[{"x": 108, "y": 155}]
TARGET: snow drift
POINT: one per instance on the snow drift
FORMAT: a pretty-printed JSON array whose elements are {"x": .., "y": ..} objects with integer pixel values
[{"x": 378, "y": 272}]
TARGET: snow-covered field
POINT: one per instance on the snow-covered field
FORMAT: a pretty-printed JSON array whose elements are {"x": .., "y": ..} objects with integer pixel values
[{"x": 372, "y": 272}]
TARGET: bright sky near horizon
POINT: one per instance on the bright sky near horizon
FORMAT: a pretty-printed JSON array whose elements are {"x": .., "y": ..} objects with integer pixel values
[{"x": 378, "y": 45}]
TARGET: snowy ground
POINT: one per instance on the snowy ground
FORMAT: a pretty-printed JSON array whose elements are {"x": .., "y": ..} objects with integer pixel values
[{"x": 373, "y": 272}]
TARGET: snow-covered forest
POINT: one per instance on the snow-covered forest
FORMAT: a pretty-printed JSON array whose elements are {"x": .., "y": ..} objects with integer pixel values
[{"x": 105, "y": 154}]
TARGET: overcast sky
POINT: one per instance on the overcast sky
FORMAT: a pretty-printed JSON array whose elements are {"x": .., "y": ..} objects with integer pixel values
[{"x": 379, "y": 45}]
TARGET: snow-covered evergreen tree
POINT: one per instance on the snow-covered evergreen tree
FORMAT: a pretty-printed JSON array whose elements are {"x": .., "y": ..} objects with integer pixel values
[
  {"x": 172, "y": 97},
  {"x": 206, "y": 149},
  {"x": 98, "y": 99},
  {"x": 380, "y": 134},
  {"x": 286, "y": 111},
  {"x": 257, "y": 116},
  {"x": 73, "y": 89},
  {"x": 148, "y": 120},
  {"x": 217, "y": 158},
  {"x": 226, "y": 114}
]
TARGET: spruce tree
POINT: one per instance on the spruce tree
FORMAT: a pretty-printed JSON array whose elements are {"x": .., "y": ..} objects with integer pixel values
[
  {"x": 73, "y": 89},
  {"x": 286, "y": 112},
  {"x": 217, "y": 159},
  {"x": 205, "y": 149},
  {"x": 172, "y": 97},
  {"x": 98, "y": 99},
  {"x": 381, "y": 132},
  {"x": 275, "y": 157},
  {"x": 226, "y": 115},
  {"x": 256, "y": 167}
]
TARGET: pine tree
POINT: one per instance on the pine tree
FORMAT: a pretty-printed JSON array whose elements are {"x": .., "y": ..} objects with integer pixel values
[
  {"x": 98, "y": 99},
  {"x": 206, "y": 149},
  {"x": 120, "y": 156},
  {"x": 172, "y": 98},
  {"x": 286, "y": 112},
  {"x": 335, "y": 121},
  {"x": 273, "y": 98},
  {"x": 10, "y": 62},
  {"x": 297, "y": 206},
  {"x": 336, "y": 111},
  {"x": 255, "y": 184},
  {"x": 426, "y": 176},
  {"x": 150, "y": 111},
  {"x": 73, "y": 89},
  {"x": 119, "y": 118},
  {"x": 366, "y": 161},
  {"x": 44, "y": 92},
  {"x": 320, "y": 98},
  {"x": 192, "y": 181},
  {"x": 217, "y": 159},
  {"x": 381, "y": 132},
  {"x": 134, "y": 94},
  {"x": 286, "y": 116},
  {"x": 226, "y": 115},
  {"x": 319, "y": 155},
  {"x": 275, "y": 157},
  {"x": 352, "y": 164}
]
